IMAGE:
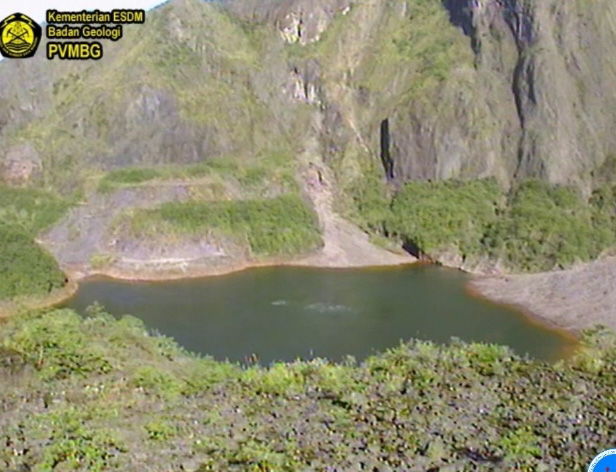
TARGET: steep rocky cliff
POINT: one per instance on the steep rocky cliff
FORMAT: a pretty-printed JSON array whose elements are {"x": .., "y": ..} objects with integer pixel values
[
  {"x": 463, "y": 88},
  {"x": 469, "y": 88},
  {"x": 384, "y": 91}
]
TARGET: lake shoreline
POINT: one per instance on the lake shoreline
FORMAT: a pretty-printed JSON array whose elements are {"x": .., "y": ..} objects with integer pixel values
[
  {"x": 571, "y": 334},
  {"x": 521, "y": 292},
  {"x": 40, "y": 302},
  {"x": 153, "y": 273},
  {"x": 570, "y": 300}
]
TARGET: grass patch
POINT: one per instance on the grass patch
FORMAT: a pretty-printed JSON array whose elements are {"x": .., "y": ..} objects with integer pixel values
[
  {"x": 277, "y": 226},
  {"x": 130, "y": 176},
  {"x": 32, "y": 210},
  {"x": 269, "y": 169}
]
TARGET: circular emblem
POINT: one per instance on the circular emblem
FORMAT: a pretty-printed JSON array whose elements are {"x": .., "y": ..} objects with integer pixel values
[
  {"x": 19, "y": 36},
  {"x": 604, "y": 462}
]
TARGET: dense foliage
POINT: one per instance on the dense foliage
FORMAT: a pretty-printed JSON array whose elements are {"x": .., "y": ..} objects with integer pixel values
[
  {"x": 25, "y": 268},
  {"x": 534, "y": 227},
  {"x": 98, "y": 394},
  {"x": 274, "y": 226},
  {"x": 549, "y": 227},
  {"x": 439, "y": 215}
]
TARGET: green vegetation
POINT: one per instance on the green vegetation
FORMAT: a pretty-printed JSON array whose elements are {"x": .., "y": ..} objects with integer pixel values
[
  {"x": 97, "y": 393},
  {"x": 128, "y": 176},
  {"x": 419, "y": 44},
  {"x": 271, "y": 170},
  {"x": 26, "y": 268},
  {"x": 276, "y": 226},
  {"x": 548, "y": 227},
  {"x": 535, "y": 227},
  {"x": 446, "y": 214},
  {"x": 30, "y": 209},
  {"x": 204, "y": 90},
  {"x": 369, "y": 201}
]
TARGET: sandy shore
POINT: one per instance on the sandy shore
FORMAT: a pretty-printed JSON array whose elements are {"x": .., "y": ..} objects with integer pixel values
[
  {"x": 190, "y": 269},
  {"x": 572, "y": 300}
]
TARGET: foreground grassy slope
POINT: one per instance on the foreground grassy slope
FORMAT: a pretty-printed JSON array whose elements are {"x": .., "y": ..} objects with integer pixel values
[{"x": 99, "y": 394}]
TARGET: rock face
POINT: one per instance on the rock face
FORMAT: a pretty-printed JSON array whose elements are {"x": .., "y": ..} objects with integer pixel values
[
  {"x": 20, "y": 165},
  {"x": 430, "y": 90},
  {"x": 298, "y": 21},
  {"x": 524, "y": 94}
]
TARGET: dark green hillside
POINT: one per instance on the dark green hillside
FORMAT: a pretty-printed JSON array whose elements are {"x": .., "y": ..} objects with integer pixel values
[
  {"x": 25, "y": 267},
  {"x": 100, "y": 394}
]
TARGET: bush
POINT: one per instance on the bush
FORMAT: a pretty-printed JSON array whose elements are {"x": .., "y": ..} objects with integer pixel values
[
  {"x": 369, "y": 201},
  {"x": 445, "y": 214},
  {"x": 74, "y": 446},
  {"x": 25, "y": 268},
  {"x": 281, "y": 225},
  {"x": 546, "y": 227},
  {"x": 157, "y": 382},
  {"x": 537, "y": 227},
  {"x": 57, "y": 346}
]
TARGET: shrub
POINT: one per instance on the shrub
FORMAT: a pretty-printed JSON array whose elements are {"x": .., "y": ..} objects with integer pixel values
[
  {"x": 445, "y": 214},
  {"x": 370, "y": 204},
  {"x": 57, "y": 346},
  {"x": 74, "y": 446},
  {"x": 157, "y": 382},
  {"x": 25, "y": 268},
  {"x": 546, "y": 227},
  {"x": 537, "y": 227},
  {"x": 281, "y": 225}
]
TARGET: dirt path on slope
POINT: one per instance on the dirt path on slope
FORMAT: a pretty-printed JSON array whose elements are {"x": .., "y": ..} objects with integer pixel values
[
  {"x": 345, "y": 245},
  {"x": 572, "y": 299}
]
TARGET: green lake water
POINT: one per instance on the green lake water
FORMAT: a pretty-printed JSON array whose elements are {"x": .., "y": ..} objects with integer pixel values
[{"x": 285, "y": 313}]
